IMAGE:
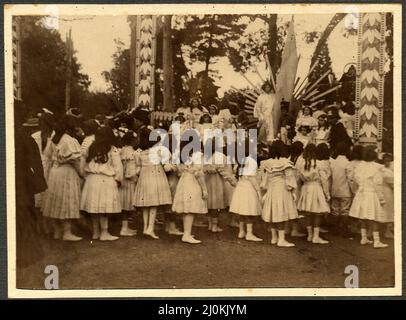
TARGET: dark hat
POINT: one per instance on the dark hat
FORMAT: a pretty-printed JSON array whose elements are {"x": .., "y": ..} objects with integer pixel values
[
  {"x": 100, "y": 117},
  {"x": 142, "y": 115},
  {"x": 332, "y": 110},
  {"x": 285, "y": 104}
]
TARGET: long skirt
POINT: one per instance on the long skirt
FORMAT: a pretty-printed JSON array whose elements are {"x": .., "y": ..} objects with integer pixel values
[{"x": 62, "y": 198}]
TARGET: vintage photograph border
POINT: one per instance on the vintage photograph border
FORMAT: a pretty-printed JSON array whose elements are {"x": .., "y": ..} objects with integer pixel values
[{"x": 100, "y": 9}]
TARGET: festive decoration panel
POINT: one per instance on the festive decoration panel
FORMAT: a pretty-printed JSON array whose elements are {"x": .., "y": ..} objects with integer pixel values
[
  {"x": 370, "y": 79},
  {"x": 145, "y": 61}
]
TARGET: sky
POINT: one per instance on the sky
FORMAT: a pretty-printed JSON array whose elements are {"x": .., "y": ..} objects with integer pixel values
[{"x": 93, "y": 39}]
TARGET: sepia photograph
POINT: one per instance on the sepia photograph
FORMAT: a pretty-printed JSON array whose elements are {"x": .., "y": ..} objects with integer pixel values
[{"x": 203, "y": 150}]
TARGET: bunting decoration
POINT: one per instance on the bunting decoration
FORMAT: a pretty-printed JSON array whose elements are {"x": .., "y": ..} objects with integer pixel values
[{"x": 370, "y": 78}]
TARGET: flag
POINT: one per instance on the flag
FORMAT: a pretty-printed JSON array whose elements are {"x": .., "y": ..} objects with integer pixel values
[{"x": 285, "y": 79}]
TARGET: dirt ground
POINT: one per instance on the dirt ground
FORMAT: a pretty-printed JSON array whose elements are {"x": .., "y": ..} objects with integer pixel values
[{"x": 220, "y": 261}]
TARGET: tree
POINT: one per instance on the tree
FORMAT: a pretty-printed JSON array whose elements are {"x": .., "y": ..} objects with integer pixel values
[
  {"x": 43, "y": 68},
  {"x": 253, "y": 47},
  {"x": 322, "y": 43},
  {"x": 118, "y": 77},
  {"x": 93, "y": 103},
  {"x": 209, "y": 37}
]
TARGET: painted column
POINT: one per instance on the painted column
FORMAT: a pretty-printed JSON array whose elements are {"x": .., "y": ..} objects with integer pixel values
[
  {"x": 370, "y": 79},
  {"x": 145, "y": 49}
]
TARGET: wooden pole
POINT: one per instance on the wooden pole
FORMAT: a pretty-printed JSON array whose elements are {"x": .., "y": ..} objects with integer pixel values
[
  {"x": 310, "y": 88},
  {"x": 244, "y": 94},
  {"x": 133, "y": 43},
  {"x": 305, "y": 79},
  {"x": 256, "y": 89},
  {"x": 325, "y": 92},
  {"x": 167, "y": 64}
]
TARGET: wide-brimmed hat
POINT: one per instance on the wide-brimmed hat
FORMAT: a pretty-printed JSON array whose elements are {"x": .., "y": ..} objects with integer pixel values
[{"x": 319, "y": 113}]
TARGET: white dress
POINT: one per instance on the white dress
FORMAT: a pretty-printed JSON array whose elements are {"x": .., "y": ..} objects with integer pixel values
[
  {"x": 307, "y": 121},
  {"x": 62, "y": 198},
  {"x": 189, "y": 190},
  {"x": 216, "y": 176},
  {"x": 279, "y": 181},
  {"x": 367, "y": 201},
  {"x": 100, "y": 192},
  {"x": 321, "y": 136},
  {"x": 246, "y": 200},
  {"x": 305, "y": 140},
  {"x": 315, "y": 188},
  {"x": 152, "y": 187},
  {"x": 131, "y": 170},
  {"x": 263, "y": 111}
]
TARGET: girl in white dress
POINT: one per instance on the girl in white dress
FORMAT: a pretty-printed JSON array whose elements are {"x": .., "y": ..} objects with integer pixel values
[
  {"x": 315, "y": 194},
  {"x": 322, "y": 132},
  {"x": 369, "y": 197},
  {"x": 264, "y": 112},
  {"x": 305, "y": 118},
  {"x": 104, "y": 175},
  {"x": 152, "y": 190},
  {"x": 191, "y": 192},
  {"x": 130, "y": 159},
  {"x": 216, "y": 174},
  {"x": 296, "y": 151},
  {"x": 62, "y": 198},
  {"x": 279, "y": 181},
  {"x": 303, "y": 135},
  {"x": 246, "y": 199}
]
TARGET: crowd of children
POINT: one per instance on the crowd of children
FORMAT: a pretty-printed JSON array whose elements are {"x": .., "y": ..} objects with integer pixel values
[{"x": 303, "y": 175}]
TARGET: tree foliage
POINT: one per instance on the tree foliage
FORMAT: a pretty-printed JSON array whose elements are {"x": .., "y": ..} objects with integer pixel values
[
  {"x": 252, "y": 47},
  {"x": 208, "y": 38},
  {"x": 118, "y": 77},
  {"x": 43, "y": 68}
]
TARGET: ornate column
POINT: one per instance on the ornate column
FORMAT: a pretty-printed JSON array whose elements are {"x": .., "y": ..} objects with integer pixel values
[
  {"x": 370, "y": 79},
  {"x": 16, "y": 38},
  {"x": 145, "y": 49}
]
